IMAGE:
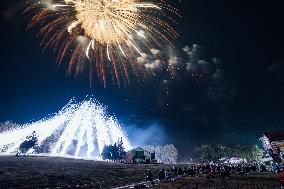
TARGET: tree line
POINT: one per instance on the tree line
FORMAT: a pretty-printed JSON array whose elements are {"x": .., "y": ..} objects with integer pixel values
[{"x": 209, "y": 153}]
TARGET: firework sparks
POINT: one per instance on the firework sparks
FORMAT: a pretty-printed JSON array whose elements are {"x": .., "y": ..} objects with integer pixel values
[
  {"x": 108, "y": 33},
  {"x": 84, "y": 122}
]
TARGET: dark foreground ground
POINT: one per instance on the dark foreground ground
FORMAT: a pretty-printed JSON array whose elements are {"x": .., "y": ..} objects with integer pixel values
[{"x": 48, "y": 172}]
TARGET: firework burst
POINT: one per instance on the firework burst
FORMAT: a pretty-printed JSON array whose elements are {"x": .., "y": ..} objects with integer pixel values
[
  {"x": 82, "y": 123},
  {"x": 110, "y": 34}
]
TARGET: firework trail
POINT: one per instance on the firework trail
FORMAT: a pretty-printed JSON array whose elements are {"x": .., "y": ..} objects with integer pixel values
[
  {"x": 84, "y": 124},
  {"x": 110, "y": 34}
]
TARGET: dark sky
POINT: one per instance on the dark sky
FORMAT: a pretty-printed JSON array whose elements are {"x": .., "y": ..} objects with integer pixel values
[{"x": 241, "y": 98}]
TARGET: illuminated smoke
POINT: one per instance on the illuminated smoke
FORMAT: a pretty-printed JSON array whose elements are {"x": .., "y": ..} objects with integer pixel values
[{"x": 79, "y": 130}]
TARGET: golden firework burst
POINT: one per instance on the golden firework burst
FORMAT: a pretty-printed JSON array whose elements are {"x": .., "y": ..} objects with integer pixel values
[{"x": 111, "y": 34}]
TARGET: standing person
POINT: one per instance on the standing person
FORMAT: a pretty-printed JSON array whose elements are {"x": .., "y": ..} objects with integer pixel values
[
  {"x": 281, "y": 177},
  {"x": 162, "y": 175},
  {"x": 150, "y": 176},
  {"x": 180, "y": 172}
]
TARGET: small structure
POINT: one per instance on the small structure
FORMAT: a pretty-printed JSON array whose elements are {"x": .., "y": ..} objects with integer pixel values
[
  {"x": 232, "y": 160},
  {"x": 140, "y": 156},
  {"x": 273, "y": 144},
  {"x": 236, "y": 160}
]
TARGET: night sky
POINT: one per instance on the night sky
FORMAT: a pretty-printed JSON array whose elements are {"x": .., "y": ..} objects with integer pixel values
[{"x": 242, "y": 96}]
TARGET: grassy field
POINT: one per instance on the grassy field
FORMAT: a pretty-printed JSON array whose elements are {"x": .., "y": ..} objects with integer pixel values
[{"x": 50, "y": 172}]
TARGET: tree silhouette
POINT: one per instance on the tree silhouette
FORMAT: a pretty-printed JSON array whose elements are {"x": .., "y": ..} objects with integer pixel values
[
  {"x": 121, "y": 150},
  {"x": 106, "y": 153},
  {"x": 115, "y": 152}
]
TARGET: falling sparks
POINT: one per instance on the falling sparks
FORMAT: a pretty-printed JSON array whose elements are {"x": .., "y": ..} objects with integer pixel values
[
  {"x": 84, "y": 124},
  {"x": 112, "y": 33}
]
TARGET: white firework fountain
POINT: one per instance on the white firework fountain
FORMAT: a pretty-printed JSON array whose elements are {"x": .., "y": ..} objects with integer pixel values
[{"x": 79, "y": 130}]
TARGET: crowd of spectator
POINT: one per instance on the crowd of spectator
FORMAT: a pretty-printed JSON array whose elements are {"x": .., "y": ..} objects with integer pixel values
[{"x": 212, "y": 171}]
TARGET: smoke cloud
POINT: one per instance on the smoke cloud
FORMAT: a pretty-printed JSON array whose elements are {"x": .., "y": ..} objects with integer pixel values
[{"x": 151, "y": 133}]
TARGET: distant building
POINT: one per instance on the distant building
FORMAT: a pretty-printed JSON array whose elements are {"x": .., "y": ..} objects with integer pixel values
[
  {"x": 140, "y": 156},
  {"x": 273, "y": 144}
]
